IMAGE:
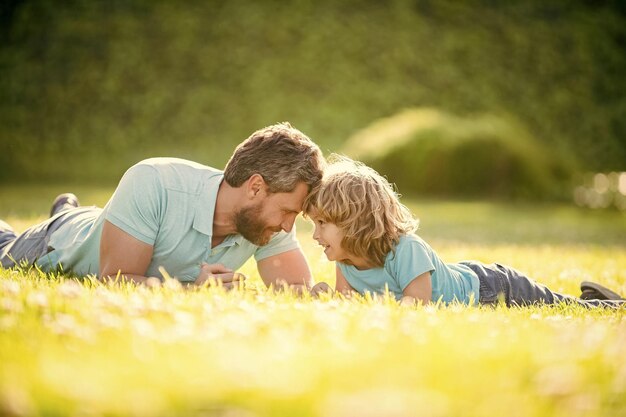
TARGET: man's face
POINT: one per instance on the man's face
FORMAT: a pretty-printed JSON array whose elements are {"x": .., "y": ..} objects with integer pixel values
[{"x": 272, "y": 213}]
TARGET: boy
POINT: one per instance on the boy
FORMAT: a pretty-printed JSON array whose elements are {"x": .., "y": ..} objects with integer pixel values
[{"x": 362, "y": 225}]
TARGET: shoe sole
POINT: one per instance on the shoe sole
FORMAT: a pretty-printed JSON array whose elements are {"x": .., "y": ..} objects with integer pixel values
[
  {"x": 589, "y": 294},
  {"x": 605, "y": 292},
  {"x": 66, "y": 199}
]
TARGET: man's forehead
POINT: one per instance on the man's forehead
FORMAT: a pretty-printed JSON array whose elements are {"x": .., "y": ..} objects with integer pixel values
[
  {"x": 294, "y": 202},
  {"x": 295, "y": 199}
]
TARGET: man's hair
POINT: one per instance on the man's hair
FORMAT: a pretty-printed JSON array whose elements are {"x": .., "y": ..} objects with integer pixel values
[
  {"x": 281, "y": 154},
  {"x": 364, "y": 205}
]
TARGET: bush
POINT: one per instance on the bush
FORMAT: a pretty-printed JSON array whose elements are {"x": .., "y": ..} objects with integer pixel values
[
  {"x": 426, "y": 151},
  {"x": 88, "y": 87}
]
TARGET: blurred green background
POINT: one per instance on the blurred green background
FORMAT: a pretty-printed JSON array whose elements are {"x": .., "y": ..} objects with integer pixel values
[{"x": 531, "y": 93}]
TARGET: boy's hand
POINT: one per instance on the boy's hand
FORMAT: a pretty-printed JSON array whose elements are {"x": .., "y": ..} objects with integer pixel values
[
  {"x": 321, "y": 287},
  {"x": 215, "y": 273}
]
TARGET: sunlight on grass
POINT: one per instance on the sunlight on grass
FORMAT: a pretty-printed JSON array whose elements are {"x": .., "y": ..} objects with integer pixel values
[{"x": 70, "y": 348}]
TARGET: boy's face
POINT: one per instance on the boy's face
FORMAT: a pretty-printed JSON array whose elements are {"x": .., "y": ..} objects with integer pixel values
[{"x": 329, "y": 236}]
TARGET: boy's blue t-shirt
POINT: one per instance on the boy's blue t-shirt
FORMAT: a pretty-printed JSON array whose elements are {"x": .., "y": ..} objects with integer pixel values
[
  {"x": 411, "y": 258},
  {"x": 168, "y": 203}
]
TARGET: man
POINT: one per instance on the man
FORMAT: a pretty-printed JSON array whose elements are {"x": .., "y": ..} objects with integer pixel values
[{"x": 190, "y": 220}]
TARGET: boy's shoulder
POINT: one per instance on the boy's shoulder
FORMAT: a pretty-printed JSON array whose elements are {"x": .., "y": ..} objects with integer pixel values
[
  {"x": 410, "y": 254},
  {"x": 410, "y": 238},
  {"x": 406, "y": 245}
]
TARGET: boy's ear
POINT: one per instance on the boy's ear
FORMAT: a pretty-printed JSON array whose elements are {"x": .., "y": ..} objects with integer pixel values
[{"x": 256, "y": 186}]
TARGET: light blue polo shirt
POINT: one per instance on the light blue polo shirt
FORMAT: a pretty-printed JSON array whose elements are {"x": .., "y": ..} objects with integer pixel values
[
  {"x": 168, "y": 203},
  {"x": 413, "y": 257}
]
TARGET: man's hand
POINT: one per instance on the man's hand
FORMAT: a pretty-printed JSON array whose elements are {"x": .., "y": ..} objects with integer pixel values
[
  {"x": 218, "y": 273},
  {"x": 321, "y": 287}
]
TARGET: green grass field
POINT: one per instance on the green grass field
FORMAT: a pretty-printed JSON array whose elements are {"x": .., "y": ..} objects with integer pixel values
[{"x": 86, "y": 349}]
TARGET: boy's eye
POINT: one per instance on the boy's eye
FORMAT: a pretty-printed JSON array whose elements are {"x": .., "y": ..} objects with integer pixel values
[{"x": 320, "y": 222}]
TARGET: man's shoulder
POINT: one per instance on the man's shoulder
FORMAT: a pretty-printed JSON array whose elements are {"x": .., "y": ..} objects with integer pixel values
[
  {"x": 167, "y": 164},
  {"x": 175, "y": 173}
]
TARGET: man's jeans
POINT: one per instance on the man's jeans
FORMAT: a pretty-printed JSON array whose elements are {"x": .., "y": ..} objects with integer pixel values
[
  {"x": 498, "y": 281},
  {"x": 30, "y": 245}
]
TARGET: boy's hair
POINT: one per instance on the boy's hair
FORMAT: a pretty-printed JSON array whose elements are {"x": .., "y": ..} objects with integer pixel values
[
  {"x": 364, "y": 205},
  {"x": 281, "y": 154}
]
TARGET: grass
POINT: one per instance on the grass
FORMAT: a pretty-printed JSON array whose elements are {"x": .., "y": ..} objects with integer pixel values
[{"x": 69, "y": 348}]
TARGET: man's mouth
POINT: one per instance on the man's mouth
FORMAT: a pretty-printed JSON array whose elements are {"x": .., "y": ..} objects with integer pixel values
[{"x": 270, "y": 231}]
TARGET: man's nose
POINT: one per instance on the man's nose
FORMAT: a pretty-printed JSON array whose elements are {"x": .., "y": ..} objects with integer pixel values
[{"x": 288, "y": 223}]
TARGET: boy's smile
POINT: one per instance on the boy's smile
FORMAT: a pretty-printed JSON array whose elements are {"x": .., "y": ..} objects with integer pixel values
[{"x": 329, "y": 236}]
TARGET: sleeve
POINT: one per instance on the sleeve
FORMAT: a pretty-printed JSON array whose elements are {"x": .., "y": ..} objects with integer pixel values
[
  {"x": 135, "y": 206},
  {"x": 279, "y": 243},
  {"x": 410, "y": 261}
]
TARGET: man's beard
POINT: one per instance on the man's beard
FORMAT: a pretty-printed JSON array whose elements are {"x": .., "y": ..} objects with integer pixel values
[{"x": 250, "y": 225}]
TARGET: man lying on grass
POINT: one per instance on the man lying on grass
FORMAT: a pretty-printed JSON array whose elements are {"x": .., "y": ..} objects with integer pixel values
[
  {"x": 194, "y": 221},
  {"x": 362, "y": 225}
]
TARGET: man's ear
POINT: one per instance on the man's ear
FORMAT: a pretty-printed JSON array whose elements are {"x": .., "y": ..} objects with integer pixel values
[{"x": 256, "y": 186}]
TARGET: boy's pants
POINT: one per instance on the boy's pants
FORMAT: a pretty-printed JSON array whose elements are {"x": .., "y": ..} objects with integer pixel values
[
  {"x": 33, "y": 243},
  {"x": 517, "y": 289}
]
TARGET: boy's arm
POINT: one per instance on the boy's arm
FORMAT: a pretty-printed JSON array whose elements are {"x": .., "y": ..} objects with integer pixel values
[
  {"x": 342, "y": 284},
  {"x": 419, "y": 291}
]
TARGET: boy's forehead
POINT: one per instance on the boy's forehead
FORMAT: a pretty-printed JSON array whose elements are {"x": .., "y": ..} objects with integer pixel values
[{"x": 312, "y": 212}]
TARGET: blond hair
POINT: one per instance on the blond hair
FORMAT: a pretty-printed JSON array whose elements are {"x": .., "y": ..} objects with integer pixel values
[
  {"x": 364, "y": 205},
  {"x": 281, "y": 154}
]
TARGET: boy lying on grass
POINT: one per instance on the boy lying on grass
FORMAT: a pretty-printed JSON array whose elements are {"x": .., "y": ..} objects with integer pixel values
[{"x": 362, "y": 225}]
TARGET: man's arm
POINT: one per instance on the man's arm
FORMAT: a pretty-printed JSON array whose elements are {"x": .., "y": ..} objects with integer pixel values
[
  {"x": 122, "y": 254},
  {"x": 126, "y": 257},
  {"x": 288, "y": 267}
]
